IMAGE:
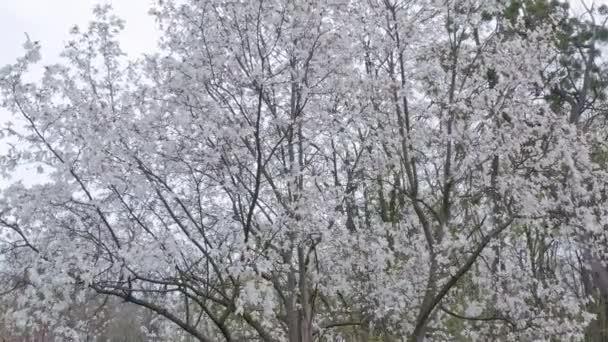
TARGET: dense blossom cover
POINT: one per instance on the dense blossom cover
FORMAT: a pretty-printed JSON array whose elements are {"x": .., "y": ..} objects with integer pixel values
[{"x": 313, "y": 171}]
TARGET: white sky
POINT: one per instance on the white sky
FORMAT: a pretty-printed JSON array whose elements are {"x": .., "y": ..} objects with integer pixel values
[{"x": 48, "y": 21}]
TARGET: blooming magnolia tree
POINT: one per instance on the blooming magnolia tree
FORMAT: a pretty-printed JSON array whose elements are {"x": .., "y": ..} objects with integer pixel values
[{"x": 306, "y": 171}]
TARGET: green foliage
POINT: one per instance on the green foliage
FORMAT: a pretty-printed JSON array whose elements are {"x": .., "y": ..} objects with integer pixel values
[
  {"x": 534, "y": 12},
  {"x": 600, "y": 156}
]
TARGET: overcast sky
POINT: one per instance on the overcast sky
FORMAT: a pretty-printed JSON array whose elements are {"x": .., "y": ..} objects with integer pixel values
[{"x": 49, "y": 21}]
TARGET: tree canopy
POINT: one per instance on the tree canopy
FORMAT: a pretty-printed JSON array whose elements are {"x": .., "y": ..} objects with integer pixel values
[{"x": 306, "y": 171}]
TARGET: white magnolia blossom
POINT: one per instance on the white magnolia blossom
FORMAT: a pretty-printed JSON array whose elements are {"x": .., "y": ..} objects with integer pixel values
[{"x": 304, "y": 170}]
